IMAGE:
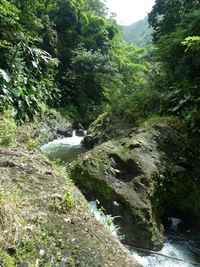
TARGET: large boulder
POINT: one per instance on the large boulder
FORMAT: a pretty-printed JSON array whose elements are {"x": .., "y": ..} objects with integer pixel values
[
  {"x": 66, "y": 132},
  {"x": 130, "y": 176},
  {"x": 120, "y": 174}
]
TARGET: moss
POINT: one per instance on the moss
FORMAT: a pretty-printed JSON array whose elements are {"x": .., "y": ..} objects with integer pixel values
[
  {"x": 87, "y": 174},
  {"x": 155, "y": 150},
  {"x": 7, "y": 129},
  {"x": 27, "y": 249},
  {"x": 67, "y": 232},
  {"x": 6, "y": 260},
  {"x": 88, "y": 183},
  {"x": 10, "y": 218},
  {"x": 154, "y": 120},
  {"x": 32, "y": 144},
  {"x": 93, "y": 173},
  {"x": 68, "y": 200},
  {"x": 106, "y": 127}
]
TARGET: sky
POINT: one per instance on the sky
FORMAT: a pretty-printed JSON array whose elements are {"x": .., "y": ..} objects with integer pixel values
[{"x": 129, "y": 11}]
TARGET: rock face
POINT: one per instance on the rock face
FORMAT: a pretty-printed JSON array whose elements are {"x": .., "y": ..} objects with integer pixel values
[
  {"x": 45, "y": 220},
  {"x": 130, "y": 175}
]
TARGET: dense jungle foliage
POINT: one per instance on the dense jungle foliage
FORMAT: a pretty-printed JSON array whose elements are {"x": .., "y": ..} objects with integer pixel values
[
  {"x": 177, "y": 40},
  {"x": 139, "y": 33},
  {"x": 70, "y": 54}
]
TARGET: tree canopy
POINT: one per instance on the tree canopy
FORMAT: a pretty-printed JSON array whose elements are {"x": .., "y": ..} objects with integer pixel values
[
  {"x": 176, "y": 36},
  {"x": 46, "y": 45},
  {"x": 70, "y": 54}
]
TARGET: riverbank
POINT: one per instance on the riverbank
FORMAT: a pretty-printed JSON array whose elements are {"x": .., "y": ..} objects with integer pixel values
[{"x": 44, "y": 218}]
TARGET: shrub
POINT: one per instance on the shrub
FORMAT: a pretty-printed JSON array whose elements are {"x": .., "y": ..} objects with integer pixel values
[{"x": 7, "y": 129}]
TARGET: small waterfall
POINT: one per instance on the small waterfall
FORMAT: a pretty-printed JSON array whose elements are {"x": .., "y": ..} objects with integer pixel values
[
  {"x": 65, "y": 149},
  {"x": 175, "y": 223},
  {"x": 73, "y": 133}
]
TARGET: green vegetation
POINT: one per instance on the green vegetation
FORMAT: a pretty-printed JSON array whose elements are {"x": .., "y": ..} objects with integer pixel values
[
  {"x": 70, "y": 55},
  {"x": 176, "y": 36},
  {"x": 68, "y": 199},
  {"x": 10, "y": 221},
  {"x": 7, "y": 129},
  {"x": 55, "y": 53},
  {"x": 138, "y": 33},
  {"x": 6, "y": 260}
]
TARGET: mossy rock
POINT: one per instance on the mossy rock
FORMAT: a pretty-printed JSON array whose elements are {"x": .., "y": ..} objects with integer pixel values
[
  {"x": 135, "y": 172},
  {"x": 120, "y": 171}
]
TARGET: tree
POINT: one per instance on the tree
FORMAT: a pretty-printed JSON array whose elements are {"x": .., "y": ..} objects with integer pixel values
[{"x": 176, "y": 34}]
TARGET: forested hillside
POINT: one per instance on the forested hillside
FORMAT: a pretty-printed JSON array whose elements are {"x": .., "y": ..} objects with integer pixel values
[
  {"x": 68, "y": 54},
  {"x": 53, "y": 52},
  {"x": 138, "y": 33},
  {"x": 176, "y": 37},
  {"x": 63, "y": 54}
]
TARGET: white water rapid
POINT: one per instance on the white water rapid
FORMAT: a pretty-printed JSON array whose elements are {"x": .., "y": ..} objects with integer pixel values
[{"x": 65, "y": 149}]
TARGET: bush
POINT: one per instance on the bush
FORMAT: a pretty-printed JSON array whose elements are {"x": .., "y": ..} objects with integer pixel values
[{"x": 7, "y": 129}]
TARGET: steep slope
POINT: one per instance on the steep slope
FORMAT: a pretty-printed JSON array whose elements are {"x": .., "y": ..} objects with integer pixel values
[
  {"x": 45, "y": 221},
  {"x": 44, "y": 218},
  {"x": 138, "y": 33}
]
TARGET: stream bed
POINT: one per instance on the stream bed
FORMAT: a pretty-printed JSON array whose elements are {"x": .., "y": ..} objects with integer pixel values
[{"x": 176, "y": 252}]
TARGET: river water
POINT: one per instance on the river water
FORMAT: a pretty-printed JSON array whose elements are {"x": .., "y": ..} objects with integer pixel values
[
  {"x": 64, "y": 149},
  {"x": 176, "y": 252}
]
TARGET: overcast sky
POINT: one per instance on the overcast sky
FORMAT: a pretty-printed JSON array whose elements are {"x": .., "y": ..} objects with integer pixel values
[{"x": 129, "y": 11}]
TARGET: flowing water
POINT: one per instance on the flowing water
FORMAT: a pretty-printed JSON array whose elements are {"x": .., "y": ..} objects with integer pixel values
[
  {"x": 176, "y": 252},
  {"x": 173, "y": 254},
  {"x": 64, "y": 149}
]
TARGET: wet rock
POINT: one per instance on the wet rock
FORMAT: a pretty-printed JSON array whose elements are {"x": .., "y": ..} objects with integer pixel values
[
  {"x": 80, "y": 132},
  {"x": 89, "y": 141},
  {"x": 68, "y": 132}
]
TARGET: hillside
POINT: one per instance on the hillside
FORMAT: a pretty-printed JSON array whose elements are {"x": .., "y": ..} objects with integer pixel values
[{"x": 138, "y": 33}]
